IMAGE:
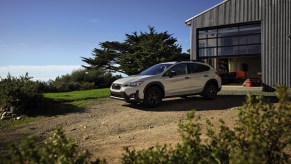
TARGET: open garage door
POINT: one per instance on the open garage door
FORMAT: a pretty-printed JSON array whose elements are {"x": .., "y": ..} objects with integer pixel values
[
  {"x": 236, "y": 70},
  {"x": 234, "y": 50}
]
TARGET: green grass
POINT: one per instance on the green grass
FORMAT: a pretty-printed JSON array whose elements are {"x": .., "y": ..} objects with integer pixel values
[
  {"x": 62, "y": 103},
  {"x": 78, "y": 95},
  {"x": 66, "y": 102},
  {"x": 81, "y": 99},
  {"x": 23, "y": 120}
]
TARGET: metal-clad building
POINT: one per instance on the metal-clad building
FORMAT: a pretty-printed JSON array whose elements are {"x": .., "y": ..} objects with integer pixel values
[{"x": 246, "y": 35}]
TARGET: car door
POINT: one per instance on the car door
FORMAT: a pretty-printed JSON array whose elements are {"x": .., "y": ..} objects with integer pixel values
[
  {"x": 176, "y": 80},
  {"x": 198, "y": 76}
]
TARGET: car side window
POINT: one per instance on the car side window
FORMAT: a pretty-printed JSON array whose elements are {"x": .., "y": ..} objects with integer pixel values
[
  {"x": 196, "y": 68},
  {"x": 180, "y": 69}
]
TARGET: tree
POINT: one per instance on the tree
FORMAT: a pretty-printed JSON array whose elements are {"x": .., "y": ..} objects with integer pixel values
[{"x": 136, "y": 53}]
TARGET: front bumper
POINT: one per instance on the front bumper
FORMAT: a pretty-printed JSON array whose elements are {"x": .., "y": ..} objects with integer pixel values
[{"x": 123, "y": 96}]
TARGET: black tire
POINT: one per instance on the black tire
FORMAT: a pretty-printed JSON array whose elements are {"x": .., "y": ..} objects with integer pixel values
[
  {"x": 209, "y": 92},
  {"x": 153, "y": 97}
]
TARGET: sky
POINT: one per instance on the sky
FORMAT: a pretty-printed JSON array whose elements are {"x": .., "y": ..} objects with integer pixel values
[{"x": 47, "y": 38}]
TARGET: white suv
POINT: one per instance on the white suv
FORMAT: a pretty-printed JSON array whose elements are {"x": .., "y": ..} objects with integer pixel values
[{"x": 169, "y": 79}]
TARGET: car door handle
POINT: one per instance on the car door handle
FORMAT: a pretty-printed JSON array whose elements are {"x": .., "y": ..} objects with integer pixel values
[
  {"x": 205, "y": 76},
  {"x": 187, "y": 77}
]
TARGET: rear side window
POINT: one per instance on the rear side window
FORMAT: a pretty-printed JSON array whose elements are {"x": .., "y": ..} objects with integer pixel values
[
  {"x": 180, "y": 69},
  {"x": 195, "y": 68}
]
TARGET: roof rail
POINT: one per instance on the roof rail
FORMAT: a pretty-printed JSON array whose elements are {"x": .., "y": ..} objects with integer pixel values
[{"x": 201, "y": 61}]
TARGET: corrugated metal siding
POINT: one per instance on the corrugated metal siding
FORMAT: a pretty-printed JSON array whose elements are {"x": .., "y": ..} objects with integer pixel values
[
  {"x": 276, "y": 25},
  {"x": 230, "y": 12},
  {"x": 275, "y": 17}
]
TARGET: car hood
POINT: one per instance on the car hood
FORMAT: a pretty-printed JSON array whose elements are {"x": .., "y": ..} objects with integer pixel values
[{"x": 132, "y": 79}]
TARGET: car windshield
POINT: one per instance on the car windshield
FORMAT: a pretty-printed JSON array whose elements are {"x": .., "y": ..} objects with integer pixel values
[{"x": 156, "y": 69}]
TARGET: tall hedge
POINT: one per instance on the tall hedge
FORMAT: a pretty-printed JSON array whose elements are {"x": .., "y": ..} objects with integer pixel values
[{"x": 81, "y": 79}]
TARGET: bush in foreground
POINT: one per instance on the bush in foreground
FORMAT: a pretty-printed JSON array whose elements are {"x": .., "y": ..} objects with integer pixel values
[
  {"x": 262, "y": 135},
  {"x": 56, "y": 149},
  {"x": 21, "y": 93}
]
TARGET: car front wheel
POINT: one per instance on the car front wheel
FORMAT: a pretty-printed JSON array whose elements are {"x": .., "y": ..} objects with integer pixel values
[
  {"x": 153, "y": 97},
  {"x": 210, "y": 92}
]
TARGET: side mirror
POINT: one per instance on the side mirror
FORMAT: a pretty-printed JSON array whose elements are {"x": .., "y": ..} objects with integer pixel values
[{"x": 172, "y": 74}]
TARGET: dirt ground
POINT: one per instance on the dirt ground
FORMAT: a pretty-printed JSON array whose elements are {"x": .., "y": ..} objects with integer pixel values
[{"x": 109, "y": 125}]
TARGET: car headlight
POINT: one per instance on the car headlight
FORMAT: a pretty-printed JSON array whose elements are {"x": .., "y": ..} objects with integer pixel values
[{"x": 134, "y": 84}]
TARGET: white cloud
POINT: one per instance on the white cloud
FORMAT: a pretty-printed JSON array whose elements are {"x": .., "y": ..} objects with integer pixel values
[{"x": 43, "y": 73}]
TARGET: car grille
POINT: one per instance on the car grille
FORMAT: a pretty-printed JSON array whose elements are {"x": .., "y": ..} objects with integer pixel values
[
  {"x": 115, "y": 94},
  {"x": 116, "y": 86}
]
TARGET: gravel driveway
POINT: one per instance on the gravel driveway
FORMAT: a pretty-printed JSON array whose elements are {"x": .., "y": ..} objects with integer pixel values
[{"x": 109, "y": 125}]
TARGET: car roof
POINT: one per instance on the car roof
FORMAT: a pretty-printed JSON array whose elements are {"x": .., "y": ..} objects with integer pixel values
[
  {"x": 191, "y": 61},
  {"x": 200, "y": 62},
  {"x": 174, "y": 62}
]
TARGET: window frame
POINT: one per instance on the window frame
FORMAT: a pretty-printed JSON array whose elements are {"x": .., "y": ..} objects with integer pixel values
[
  {"x": 170, "y": 69},
  {"x": 202, "y": 51}
]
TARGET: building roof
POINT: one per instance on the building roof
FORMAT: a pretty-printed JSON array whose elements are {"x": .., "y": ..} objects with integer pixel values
[{"x": 188, "y": 21}]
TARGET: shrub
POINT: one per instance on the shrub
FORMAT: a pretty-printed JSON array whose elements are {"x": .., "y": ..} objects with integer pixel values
[
  {"x": 80, "y": 80},
  {"x": 21, "y": 93},
  {"x": 262, "y": 135},
  {"x": 56, "y": 149},
  {"x": 263, "y": 131}
]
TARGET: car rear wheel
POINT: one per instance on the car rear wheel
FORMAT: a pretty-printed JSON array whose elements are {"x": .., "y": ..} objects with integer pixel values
[
  {"x": 210, "y": 92},
  {"x": 153, "y": 97}
]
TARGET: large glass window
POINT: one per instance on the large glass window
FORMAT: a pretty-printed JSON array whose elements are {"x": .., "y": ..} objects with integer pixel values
[
  {"x": 207, "y": 34},
  {"x": 230, "y": 41},
  {"x": 228, "y": 51},
  {"x": 229, "y": 31},
  {"x": 204, "y": 52},
  {"x": 227, "y": 41},
  {"x": 250, "y": 39},
  {"x": 250, "y": 49}
]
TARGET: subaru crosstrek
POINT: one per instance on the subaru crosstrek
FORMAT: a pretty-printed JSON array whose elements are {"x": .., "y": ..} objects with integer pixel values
[{"x": 169, "y": 79}]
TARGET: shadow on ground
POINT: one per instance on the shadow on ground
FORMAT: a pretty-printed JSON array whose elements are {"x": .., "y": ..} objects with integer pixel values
[
  {"x": 49, "y": 107},
  {"x": 46, "y": 107},
  {"x": 197, "y": 103}
]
